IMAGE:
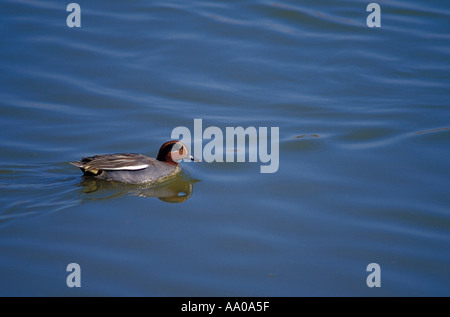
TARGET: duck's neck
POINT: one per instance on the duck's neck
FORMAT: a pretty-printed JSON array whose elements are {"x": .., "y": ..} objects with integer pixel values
[{"x": 166, "y": 158}]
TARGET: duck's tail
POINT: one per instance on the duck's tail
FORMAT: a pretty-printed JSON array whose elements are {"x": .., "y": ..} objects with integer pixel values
[{"x": 77, "y": 164}]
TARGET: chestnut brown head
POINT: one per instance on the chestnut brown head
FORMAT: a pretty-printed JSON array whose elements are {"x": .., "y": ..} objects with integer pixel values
[{"x": 173, "y": 151}]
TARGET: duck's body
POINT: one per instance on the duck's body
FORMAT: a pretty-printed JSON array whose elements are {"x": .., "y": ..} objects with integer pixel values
[{"x": 135, "y": 168}]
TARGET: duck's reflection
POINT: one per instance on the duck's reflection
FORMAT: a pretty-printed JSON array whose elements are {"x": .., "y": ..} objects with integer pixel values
[{"x": 177, "y": 189}]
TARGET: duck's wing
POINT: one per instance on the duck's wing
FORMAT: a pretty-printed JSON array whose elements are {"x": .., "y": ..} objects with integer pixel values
[{"x": 115, "y": 162}]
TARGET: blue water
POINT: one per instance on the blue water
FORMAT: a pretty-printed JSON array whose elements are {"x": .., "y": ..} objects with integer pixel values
[{"x": 364, "y": 145}]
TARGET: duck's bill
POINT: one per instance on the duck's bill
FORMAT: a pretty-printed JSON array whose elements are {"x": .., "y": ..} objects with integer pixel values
[{"x": 192, "y": 158}]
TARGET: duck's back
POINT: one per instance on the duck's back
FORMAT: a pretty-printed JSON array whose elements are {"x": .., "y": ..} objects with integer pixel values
[
  {"x": 154, "y": 172},
  {"x": 126, "y": 167}
]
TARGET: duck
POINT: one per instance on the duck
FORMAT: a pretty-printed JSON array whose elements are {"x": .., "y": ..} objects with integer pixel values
[{"x": 136, "y": 168}]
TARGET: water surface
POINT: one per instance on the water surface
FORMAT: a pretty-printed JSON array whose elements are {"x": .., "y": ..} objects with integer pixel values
[{"x": 363, "y": 177}]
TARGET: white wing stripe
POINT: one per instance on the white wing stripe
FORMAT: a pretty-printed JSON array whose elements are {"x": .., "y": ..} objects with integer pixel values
[{"x": 132, "y": 167}]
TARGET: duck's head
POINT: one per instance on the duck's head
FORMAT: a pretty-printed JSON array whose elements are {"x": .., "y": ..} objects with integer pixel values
[{"x": 174, "y": 151}]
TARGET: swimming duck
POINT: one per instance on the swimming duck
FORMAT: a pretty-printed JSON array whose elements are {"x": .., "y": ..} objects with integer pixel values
[{"x": 136, "y": 168}]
